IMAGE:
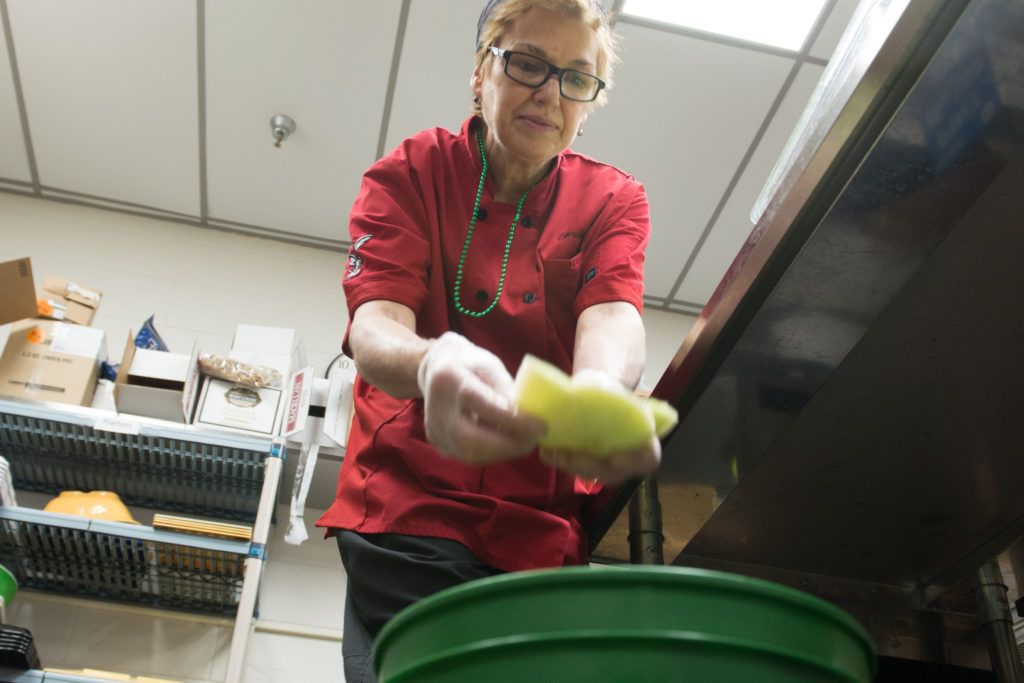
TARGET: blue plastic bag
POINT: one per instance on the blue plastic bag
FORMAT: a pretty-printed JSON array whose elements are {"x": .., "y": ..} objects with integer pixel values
[{"x": 149, "y": 338}]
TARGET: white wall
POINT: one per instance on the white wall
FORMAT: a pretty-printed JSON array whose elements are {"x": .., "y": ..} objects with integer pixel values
[
  {"x": 665, "y": 333},
  {"x": 200, "y": 284}
]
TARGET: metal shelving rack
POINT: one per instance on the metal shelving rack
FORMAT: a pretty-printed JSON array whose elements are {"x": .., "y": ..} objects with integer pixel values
[
  {"x": 121, "y": 561},
  {"x": 149, "y": 463},
  {"x": 8, "y": 675},
  {"x": 14, "y": 676}
]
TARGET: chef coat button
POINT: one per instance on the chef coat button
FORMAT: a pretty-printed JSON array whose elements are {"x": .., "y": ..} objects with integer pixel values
[
  {"x": 481, "y": 214},
  {"x": 481, "y": 296},
  {"x": 529, "y": 298},
  {"x": 527, "y": 222}
]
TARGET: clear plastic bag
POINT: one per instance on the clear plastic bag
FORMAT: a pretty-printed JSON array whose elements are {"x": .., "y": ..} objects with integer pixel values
[{"x": 238, "y": 372}]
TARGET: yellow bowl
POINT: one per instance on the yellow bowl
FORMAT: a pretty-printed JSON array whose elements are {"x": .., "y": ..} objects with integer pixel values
[{"x": 104, "y": 505}]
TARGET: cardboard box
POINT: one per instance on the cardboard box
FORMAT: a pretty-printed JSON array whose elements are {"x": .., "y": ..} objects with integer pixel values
[
  {"x": 57, "y": 308},
  {"x": 320, "y": 410},
  {"x": 239, "y": 406},
  {"x": 52, "y": 361},
  {"x": 259, "y": 410},
  {"x": 157, "y": 384},
  {"x": 17, "y": 291},
  {"x": 61, "y": 299},
  {"x": 272, "y": 347}
]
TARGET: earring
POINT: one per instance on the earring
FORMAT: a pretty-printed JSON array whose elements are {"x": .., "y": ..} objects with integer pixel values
[{"x": 579, "y": 131}]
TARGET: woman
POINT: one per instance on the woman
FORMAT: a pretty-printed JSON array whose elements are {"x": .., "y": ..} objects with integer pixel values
[{"x": 468, "y": 252}]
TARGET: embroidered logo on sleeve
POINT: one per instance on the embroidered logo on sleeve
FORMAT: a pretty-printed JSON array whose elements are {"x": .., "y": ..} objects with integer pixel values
[{"x": 355, "y": 261}]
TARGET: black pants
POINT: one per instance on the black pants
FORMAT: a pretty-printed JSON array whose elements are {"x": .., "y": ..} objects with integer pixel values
[{"x": 386, "y": 573}]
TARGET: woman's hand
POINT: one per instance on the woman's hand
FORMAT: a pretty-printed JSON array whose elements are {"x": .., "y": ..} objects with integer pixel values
[
  {"x": 609, "y": 352},
  {"x": 468, "y": 413},
  {"x": 614, "y": 469}
]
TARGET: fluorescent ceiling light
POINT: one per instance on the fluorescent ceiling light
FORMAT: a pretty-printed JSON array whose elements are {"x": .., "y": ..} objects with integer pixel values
[{"x": 781, "y": 23}]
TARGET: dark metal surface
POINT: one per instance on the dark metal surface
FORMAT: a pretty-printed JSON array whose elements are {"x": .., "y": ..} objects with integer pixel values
[{"x": 850, "y": 399}]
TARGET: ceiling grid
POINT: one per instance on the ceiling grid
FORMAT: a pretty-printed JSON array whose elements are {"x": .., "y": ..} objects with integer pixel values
[
  {"x": 342, "y": 70},
  {"x": 19, "y": 97},
  {"x": 802, "y": 57},
  {"x": 204, "y": 197}
]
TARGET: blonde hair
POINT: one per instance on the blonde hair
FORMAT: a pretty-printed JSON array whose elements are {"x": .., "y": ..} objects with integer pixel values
[{"x": 507, "y": 12}]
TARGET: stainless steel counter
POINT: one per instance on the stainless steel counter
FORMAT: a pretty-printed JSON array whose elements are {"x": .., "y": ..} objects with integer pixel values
[{"x": 850, "y": 399}]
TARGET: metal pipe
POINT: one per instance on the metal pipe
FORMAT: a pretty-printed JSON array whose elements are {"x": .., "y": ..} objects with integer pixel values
[
  {"x": 645, "y": 536},
  {"x": 1015, "y": 556},
  {"x": 997, "y": 624}
]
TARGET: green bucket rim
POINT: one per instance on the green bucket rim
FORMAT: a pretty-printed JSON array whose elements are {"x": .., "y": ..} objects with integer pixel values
[
  {"x": 494, "y": 646},
  {"x": 613, "y": 574}
]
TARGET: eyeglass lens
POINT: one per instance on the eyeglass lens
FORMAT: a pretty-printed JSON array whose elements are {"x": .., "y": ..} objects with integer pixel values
[{"x": 576, "y": 85}]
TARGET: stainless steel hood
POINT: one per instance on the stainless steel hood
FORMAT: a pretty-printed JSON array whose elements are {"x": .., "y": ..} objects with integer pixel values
[{"x": 850, "y": 399}]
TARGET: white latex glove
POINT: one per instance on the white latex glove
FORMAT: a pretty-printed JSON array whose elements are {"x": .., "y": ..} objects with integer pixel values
[
  {"x": 591, "y": 377},
  {"x": 617, "y": 467},
  {"x": 468, "y": 413}
]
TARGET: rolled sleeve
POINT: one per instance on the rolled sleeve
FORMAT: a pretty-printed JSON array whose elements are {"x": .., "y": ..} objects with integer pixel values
[
  {"x": 391, "y": 250},
  {"x": 613, "y": 259}
]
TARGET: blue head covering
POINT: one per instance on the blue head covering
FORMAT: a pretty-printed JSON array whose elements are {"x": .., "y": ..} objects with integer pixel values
[{"x": 491, "y": 4}]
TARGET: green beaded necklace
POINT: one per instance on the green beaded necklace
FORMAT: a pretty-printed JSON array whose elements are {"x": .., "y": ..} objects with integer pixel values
[{"x": 469, "y": 235}]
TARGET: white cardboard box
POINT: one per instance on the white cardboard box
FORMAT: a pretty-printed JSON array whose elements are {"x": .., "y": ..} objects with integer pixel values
[
  {"x": 273, "y": 347},
  {"x": 238, "y": 406},
  {"x": 157, "y": 384},
  {"x": 319, "y": 410}
]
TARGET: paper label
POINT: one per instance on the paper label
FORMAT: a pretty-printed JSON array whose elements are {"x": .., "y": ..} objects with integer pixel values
[
  {"x": 299, "y": 390},
  {"x": 116, "y": 424},
  {"x": 339, "y": 401},
  {"x": 236, "y": 405},
  {"x": 77, "y": 340}
]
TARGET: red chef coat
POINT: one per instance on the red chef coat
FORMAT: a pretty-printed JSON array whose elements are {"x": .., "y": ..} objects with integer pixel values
[{"x": 580, "y": 242}]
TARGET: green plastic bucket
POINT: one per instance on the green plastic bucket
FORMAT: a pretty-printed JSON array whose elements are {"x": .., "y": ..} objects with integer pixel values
[
  {"x": 635, "y": 625},
  {"x": 8, "y": 589}
]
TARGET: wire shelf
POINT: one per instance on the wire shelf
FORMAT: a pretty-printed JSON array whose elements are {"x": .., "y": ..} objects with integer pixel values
[
  {"x": 9, "y": 675},
  {"x": 153, "y": 466},
  {"x": 122, "y": 562}
]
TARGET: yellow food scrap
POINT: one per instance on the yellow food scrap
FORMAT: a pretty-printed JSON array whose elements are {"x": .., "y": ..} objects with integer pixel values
[{"x": 587, "y": 418}]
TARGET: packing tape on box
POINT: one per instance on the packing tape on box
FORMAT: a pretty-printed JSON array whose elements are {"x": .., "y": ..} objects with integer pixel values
[
  {"x": 48, "y": 308},
  {"x": 88, "y": 294}
]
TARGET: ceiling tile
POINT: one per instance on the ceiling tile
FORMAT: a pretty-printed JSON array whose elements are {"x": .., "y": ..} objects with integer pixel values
[
  {"x": 110, "y": 89},
  {"x": 437, "y": 60},
  {"x": 734, "y": 224},
  {"x": 114, "y": 98},
  {"x": 323, "y": 63},
  {"x": 680, "y": 118},
  {"x": 14, "y": 160}
]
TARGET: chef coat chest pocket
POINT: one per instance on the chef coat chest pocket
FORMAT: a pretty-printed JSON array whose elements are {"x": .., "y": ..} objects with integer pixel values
[{"x": 563, "y": 279}]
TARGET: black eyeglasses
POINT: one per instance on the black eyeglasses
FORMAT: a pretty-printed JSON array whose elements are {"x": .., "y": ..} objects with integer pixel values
[{"x": 534, "y": 72}]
